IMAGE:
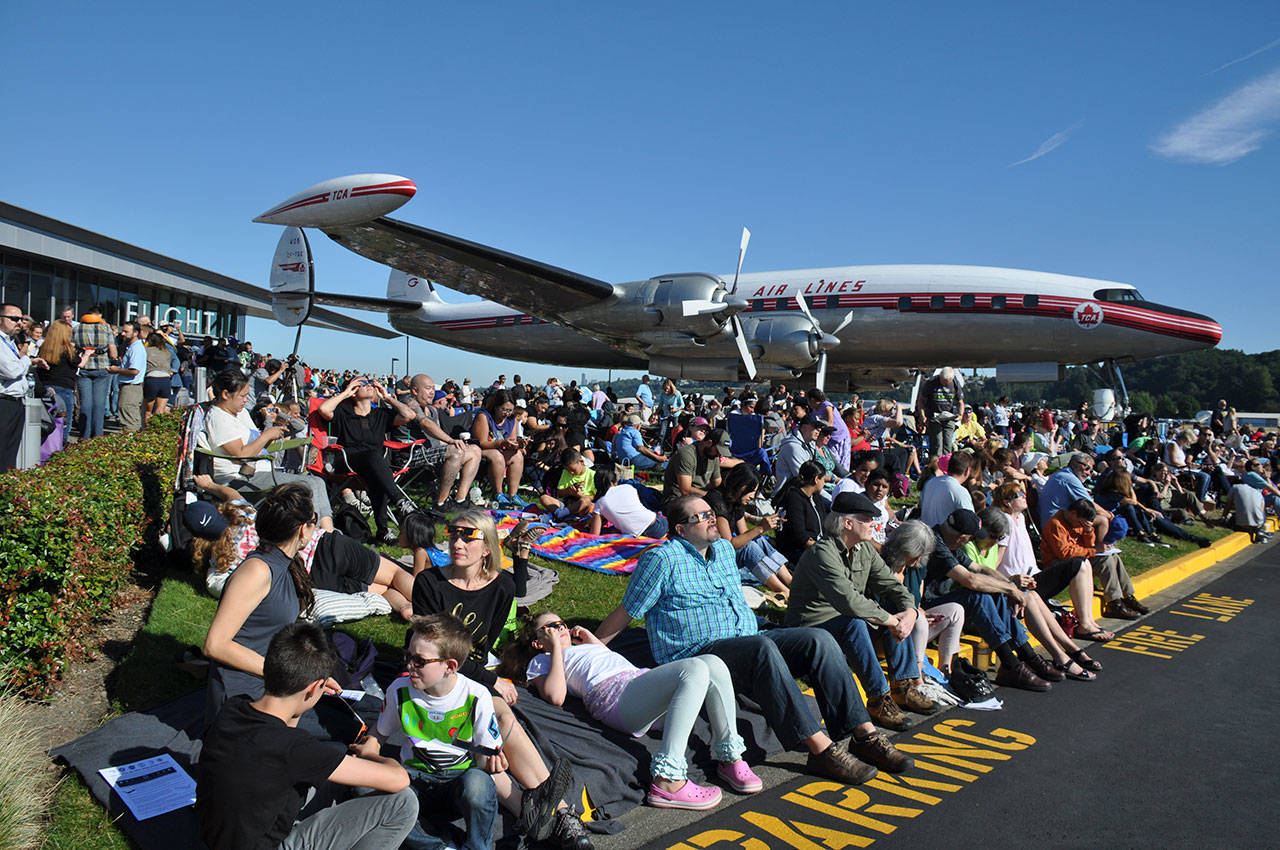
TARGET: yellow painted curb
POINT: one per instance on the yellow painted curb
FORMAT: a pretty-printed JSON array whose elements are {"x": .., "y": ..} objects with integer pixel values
[{"x": 1167, "y": 575}]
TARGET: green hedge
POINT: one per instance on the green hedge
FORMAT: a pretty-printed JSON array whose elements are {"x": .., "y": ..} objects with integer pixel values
[{"x": 69, "y": 533}]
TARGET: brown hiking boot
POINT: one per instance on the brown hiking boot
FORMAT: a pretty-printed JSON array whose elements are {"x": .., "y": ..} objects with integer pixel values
[
  {"x": 908, "y": 696},
  {"x": 878, "y": 751},
  {"x": 886, "y": 714},
  {"x": 836, "y": 763},
  {"x": 1020, "y": 675}
]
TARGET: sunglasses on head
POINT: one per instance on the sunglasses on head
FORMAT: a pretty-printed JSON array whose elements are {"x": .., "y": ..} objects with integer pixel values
[{"x": 464, "y": 532}]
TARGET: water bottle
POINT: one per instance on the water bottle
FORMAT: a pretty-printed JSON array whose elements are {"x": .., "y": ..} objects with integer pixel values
[{"x": 473, "y": 496}]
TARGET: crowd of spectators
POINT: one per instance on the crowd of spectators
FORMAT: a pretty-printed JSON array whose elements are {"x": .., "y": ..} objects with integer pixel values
[{"x": 861, "y": 524}]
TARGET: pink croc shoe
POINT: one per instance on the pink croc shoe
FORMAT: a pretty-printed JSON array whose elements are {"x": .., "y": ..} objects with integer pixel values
[
  {"x": 740, "y": 777},
  {"x": 690, "y": 796}
]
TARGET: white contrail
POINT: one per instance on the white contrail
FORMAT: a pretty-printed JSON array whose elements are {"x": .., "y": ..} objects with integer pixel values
[
  {"x": 1246, "y": 57},
  {"x": 1233, "y": 127},
  {"x": 1050, "y": 144}
]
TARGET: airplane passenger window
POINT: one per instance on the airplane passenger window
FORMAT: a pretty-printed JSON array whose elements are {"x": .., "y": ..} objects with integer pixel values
[
  {"x": 997, "y": 302},
  {"x": 967, "y": 300},
  {"x": 904, "y": 303},
  {"x": 937, "y": 302},
  {"x": 1031, "y": 301}
]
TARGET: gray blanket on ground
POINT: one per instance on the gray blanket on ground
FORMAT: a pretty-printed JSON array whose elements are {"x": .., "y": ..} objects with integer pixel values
[{"x": 610, "y": 769}]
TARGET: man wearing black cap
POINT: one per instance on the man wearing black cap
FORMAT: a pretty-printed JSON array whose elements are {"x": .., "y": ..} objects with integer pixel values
[
  {"x": 796, "y": 449},
  {"x": 991, "y": 603},
  {"x": 695, "y": 467},
  {"x": 842, "y": 585}
]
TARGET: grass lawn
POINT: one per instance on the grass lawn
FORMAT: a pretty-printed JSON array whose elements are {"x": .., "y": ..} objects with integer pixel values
[{"x": 181, "y": 614}]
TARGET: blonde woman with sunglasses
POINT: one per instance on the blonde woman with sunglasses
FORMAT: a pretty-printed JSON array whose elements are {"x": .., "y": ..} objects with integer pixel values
[{"x": 474, "y": 588}]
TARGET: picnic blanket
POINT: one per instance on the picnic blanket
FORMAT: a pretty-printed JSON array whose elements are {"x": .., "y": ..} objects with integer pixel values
[
  {"x": 610, "y": 769},
  {"x": 604, "y": 553}
]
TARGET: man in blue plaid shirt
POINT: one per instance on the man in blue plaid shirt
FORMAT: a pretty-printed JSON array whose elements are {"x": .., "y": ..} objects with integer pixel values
[{"x": 689, "y": 594}]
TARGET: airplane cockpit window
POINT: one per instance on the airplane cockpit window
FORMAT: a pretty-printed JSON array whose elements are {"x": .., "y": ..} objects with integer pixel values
[
  {"x": 937, "y": 302},
  {"x": 1031, "y": 301},
  {"x": 997, "y": 302},
  {"x": 967, "y": 300},
  {"x": 1118, "y": 295},
  {"x": 904, "y": 303}
]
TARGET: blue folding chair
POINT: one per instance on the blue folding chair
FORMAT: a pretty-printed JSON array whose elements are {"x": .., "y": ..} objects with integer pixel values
[{"x": 746, "y": 433}]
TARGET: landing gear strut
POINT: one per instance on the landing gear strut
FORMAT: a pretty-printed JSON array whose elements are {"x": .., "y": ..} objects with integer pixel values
[{"x": 1113, "y": 377}]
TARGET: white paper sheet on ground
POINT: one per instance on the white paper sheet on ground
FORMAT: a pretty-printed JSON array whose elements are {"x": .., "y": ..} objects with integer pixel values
[
  {"x": 152, "y": 786},
  {"x": 991, "y": 704}
]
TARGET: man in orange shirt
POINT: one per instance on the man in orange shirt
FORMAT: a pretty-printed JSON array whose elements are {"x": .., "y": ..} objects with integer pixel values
[{"x": 1070, "y": 534}]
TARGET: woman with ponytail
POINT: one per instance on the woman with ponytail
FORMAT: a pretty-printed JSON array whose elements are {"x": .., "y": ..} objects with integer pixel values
[{"x": 266, "y": 593}]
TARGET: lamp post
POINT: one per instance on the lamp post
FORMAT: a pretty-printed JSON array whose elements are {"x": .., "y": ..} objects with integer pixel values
[{"x": 394, "y": 361}]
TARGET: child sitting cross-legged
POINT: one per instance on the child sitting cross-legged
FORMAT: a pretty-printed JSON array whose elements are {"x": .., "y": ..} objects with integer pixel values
[
  {"x": 257, "y": 767},
  {"x": 449, "y": 739},
  {"x": 559, "y": 660}
]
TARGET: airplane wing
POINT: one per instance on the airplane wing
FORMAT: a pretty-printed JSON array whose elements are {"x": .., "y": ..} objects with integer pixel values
[
  {"x": 518, "y": 282},
  {"x": 365, "y": 302}
]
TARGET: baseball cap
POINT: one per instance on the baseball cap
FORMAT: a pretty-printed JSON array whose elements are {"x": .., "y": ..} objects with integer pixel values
[
  {"x": 724, "y": 444},
  {"x": 635, "y": 419},
  {"x": 854, "y": 503},
  {"x": 811, "y": 420},
  {"x": 204, "y": 520},
  {"x": 963, "y": 521},
  {"x": 699, "y": 420}
]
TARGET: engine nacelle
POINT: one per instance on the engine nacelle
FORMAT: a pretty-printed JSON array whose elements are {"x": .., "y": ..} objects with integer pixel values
[
  {"x": 695, "y": 369},
  {"x": 785, "y": 341},
  {"x": 670, "y": 293}
]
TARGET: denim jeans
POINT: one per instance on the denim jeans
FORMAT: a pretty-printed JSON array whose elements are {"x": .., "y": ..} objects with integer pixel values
[
  {"x": 989, "y": 614},
  {"x": 469, "y": 794},
  {"x": 765, "y": 667},
  {"x": 678, "y": 690},
  {"x": 854, "y": 636},
  {"x": 759, "y": 560},
  {"x": 93, "y": 385},
  {"x": 68, "y": 398},
  {"x": 113, "y": 397}
]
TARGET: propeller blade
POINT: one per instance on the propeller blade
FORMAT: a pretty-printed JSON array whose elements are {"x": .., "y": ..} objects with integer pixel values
[
  {"x": 821, "y": 380},
  {"x": 844, "y": 323},
  {"x": 804, "y": 308},
  {"x": 742, "y": 252},
  {"x": 744, "y": 350},
  {"x": 698, "y": 307}
]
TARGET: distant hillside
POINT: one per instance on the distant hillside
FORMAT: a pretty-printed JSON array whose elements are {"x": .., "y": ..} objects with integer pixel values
[{"x": 1175, "y": 386}]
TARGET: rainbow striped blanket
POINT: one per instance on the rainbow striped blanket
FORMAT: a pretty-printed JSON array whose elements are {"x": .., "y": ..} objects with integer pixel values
[{"x": 604, "y": 553}]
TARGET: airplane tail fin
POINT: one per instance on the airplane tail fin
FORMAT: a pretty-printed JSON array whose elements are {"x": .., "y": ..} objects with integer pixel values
[
  {"x": 402, "y": 286},
  {"x": 292, "y": 279}
]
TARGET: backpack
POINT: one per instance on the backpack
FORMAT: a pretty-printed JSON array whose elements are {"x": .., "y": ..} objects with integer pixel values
[
  {"x": 348, "y": 520},
  {"x": 353, "y": 660},
  {"x": 899, "y": 485}
]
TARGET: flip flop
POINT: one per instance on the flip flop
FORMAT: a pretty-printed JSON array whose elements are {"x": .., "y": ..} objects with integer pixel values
[{"x": 1099, "y": 636}]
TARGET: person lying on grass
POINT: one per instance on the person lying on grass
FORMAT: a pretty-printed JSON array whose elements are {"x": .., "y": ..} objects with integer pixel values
[
  {"x": 338, "y": 565},
  {"x": 558, "y": 660}
]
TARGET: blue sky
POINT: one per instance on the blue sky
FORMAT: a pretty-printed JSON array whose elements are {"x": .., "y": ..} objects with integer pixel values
[{"x": 625, "y": 141}]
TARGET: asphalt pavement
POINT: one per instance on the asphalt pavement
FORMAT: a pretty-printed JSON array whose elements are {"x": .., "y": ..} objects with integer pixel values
[{"x": 1170, "y": 747}]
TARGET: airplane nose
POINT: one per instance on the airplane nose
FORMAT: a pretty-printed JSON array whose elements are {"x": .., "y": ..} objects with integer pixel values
[{"x": 1194, "y": 326}]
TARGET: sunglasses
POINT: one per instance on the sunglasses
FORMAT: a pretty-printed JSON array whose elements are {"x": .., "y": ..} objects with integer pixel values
[
  {"x": 418, "y": 662},
  {"x": 701, "y": 516},
  {"x": 554, "y": 624},
  {"x": 464, "y": 532}
]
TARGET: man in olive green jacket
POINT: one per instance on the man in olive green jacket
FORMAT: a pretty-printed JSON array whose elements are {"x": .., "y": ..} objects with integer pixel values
[{"x": 842, "y": 585}]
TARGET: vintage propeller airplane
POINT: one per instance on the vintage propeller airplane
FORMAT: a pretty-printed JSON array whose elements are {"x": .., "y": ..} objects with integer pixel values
[{"x": 853, "y": 326}]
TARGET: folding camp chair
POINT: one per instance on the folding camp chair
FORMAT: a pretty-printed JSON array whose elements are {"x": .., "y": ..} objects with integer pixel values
[{"x": 746, "y": 434}]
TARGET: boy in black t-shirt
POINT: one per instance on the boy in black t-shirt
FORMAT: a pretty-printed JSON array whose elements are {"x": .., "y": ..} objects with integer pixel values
[{"x": 257, "y": 768}]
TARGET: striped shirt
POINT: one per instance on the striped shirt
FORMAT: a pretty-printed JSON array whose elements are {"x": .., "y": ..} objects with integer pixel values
[{"x": 688, "y": 602}]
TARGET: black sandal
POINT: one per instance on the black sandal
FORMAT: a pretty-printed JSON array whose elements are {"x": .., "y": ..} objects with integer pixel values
[
  {"x": 1085, "y": 675},
  {"x": 1077, "y": 655}
]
